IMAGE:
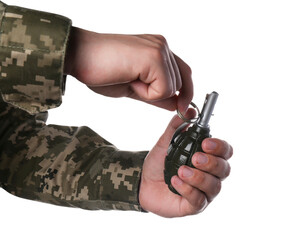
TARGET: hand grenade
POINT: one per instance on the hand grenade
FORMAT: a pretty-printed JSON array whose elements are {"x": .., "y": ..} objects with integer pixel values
[{"x": 185, "y": 143}]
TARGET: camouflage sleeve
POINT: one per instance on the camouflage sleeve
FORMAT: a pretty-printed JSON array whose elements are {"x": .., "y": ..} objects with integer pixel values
[
  {"x": 32, "y": 51},
  {"x": 66, "y": 166}
]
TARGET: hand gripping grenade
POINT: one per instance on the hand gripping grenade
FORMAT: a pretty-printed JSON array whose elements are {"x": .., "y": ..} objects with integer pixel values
[{"x": 185, "y": 143}]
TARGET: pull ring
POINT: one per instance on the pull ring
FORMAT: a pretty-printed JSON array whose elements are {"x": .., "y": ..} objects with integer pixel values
[{"x": 189, "y": 120}]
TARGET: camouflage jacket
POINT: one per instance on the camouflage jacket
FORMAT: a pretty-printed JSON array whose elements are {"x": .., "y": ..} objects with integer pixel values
[{"x": 67, "y": 166}]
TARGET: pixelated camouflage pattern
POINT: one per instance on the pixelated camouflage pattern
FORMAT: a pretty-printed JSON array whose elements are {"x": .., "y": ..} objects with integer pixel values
[
  {"x": 66, "y": 166},
  {"x": 32, "y": 47}
]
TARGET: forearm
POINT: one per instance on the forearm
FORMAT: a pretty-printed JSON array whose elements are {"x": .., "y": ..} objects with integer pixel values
[
  {"x": 67, "y": 166},
  {"x": 32, "y": 52}
]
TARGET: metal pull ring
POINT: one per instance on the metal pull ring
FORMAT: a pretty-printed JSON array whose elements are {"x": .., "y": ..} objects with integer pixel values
[{"x": 189, "y": 120}]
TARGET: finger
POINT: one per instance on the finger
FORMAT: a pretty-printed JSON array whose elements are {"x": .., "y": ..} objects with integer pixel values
[
  {"x": 172, "y": 70},
  {"x": 172, "y": 64},
  {"x": 203, "y": 181},
  {"x": 155, "y": 87},
  {"x": 217, "y": 147},
  {"x": 211, "y": 164},
  {"x": 186, "y": 91},
  {"x": 178, "y": 79},
  {"x": 196, "y": 198},
  {"x": 161, "y": 78},
  {"x": 176, "y": 121}
]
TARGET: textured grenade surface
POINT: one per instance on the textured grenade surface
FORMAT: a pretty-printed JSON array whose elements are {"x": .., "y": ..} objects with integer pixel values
[{"x": 181, "y": 149}]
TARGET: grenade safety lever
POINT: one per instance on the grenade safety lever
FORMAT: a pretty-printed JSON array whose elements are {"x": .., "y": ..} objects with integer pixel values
[{"x": 185, "y": 143}]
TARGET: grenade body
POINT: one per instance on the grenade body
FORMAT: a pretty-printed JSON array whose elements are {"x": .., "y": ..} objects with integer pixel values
[
  {"x": 181, "y": 149},
  {"x": 185, "y": 143}
]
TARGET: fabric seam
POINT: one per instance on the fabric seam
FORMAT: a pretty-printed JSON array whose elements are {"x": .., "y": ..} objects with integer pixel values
[{"x": 38, "y": 50}]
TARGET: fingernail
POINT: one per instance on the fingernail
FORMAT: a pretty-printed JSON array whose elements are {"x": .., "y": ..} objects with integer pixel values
[
  {"x": 201, "y": 159},
  {"x": 187, "y": 172},
  {"x": 211, "y": 145},
  {"x": 178, "y": 181}
]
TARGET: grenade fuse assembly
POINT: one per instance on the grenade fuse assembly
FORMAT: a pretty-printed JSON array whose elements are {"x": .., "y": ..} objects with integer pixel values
[{"x": 185, "y": 143}]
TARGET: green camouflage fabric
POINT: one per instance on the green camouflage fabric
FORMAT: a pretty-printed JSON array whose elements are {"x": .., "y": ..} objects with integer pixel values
[
  {"x": 32, "y": 46},
  {"x": 61, "y": 165}
]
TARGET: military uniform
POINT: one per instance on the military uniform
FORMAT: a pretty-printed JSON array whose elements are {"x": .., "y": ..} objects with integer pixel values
[{"x": 68, "y": 166}]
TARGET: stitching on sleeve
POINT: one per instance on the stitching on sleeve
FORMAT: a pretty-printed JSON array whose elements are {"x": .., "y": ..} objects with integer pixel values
[{"x": 39, "y": 49}]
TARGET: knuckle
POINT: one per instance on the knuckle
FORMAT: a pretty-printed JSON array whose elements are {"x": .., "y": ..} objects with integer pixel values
[
  {"x": 201, "y": 204},
  {"x": 198, "y": 205},
  {"x": 215, "y": 165},
  {"x": 218, "y": 187},
  {"x": 161, "y": 40},
  {"x": 187, "y": 191},
  {"x": 166, "y": 92},
  {"x": 157, "y": 54},
  {"x": 215, "y": 190},
  {"x": 160, "y": 46},
  {"x": 228, "y": 170},
  {"x": 227, "y": 150},
  {"x": 230, "y": 152},
  {"x": 188, "y": 70},
  {"x": 200, "y": 177}
]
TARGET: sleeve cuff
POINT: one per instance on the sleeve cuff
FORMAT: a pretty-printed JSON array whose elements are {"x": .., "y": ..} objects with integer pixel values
[
  {"x": 32, "y": 53},
  {"x": 120, "y": 181}
]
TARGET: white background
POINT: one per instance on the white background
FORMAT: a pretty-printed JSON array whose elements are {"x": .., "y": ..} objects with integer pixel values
[{"x": 244, "y": 50}]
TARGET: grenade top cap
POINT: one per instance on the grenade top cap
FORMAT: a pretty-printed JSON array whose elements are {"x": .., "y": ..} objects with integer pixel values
[{"x": 207, "y": 109}]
